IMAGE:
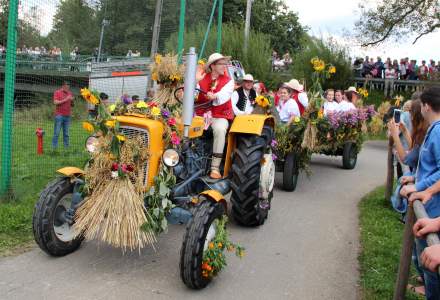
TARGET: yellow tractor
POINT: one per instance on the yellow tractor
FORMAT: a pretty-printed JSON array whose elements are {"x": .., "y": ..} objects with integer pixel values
[{"x": 248, "y": 169}]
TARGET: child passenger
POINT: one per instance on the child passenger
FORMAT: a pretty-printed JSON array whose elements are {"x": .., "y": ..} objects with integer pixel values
[{"x": 287, "y": 107}]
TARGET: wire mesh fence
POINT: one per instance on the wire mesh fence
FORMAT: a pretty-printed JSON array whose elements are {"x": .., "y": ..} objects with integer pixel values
[{"x": 63, "y": 46}]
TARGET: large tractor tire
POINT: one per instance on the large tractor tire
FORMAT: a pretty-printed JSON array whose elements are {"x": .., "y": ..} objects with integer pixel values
[
  {"x": 51, "y": 231},
  {"x": 200, "y": 231},
  {"x": 349, "y": 156},
  {"x": 248, "y": 207},
  {"x": 290, "y": 172}
]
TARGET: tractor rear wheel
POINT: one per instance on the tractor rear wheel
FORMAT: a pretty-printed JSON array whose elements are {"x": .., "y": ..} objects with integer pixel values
[
  {"x": 290, "y": 172},
  {"x": 349, "y": 156},
  {"x": 200, "y": 231},
  {"x": 51, "y": 230},
  {"x": 253, "y": 177}
]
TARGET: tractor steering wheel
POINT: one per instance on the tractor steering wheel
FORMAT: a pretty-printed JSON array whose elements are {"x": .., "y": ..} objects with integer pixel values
[{"x": 203, "y": 105}]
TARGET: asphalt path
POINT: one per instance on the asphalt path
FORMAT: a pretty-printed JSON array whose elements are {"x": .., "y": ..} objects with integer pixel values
[{"x": 307, "y": 249}]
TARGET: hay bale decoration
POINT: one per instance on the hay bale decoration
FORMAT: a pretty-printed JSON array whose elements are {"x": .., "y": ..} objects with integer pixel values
[{"x": 117, "y": 210}]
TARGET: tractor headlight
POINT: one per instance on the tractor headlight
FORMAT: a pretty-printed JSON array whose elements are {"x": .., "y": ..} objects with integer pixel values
[
  {"x": 92, "y": 144},
  {"x": 170, "y": 157}
]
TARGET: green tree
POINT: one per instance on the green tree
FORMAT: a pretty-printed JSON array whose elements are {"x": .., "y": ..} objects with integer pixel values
[
  {"x": 75, "y": 25},
  {"x": 397, "y": 19},
  {"x": 331, "y": 52},
  {"x": 271, "y": 17}
]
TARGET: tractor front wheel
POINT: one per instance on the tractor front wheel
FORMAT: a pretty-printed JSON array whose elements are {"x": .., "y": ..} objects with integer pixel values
[
  {"x": 51, "y": 230},
  {"x": 200, "y": 231}
]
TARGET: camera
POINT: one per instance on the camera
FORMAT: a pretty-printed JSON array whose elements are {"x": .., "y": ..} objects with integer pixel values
[{"x": 396, "y": 115}]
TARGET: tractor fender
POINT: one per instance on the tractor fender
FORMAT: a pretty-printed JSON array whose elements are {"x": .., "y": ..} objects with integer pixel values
[
  {"x": 251, "y": 124},
  {"x": 71, "y": 172},
  {"x": 215, "y": 196}
]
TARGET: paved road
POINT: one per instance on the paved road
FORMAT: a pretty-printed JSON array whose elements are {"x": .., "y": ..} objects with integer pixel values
[{"x": 306, "y": 250}]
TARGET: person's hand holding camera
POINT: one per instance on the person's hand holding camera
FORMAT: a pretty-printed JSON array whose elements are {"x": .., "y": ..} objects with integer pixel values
[{"x": 393, "y": 128}]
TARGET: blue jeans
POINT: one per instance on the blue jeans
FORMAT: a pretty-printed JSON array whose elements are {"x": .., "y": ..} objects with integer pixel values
[
  {"x": 64, "y": 123},
  {"x": 432, "y": 280}
]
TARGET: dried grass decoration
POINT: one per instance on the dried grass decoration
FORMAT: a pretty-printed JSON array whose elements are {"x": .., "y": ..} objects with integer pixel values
[
  {"x": 310, "y": 140},
  {"x": 168, "y": 73},
  {"x": 114, "y": 211}
]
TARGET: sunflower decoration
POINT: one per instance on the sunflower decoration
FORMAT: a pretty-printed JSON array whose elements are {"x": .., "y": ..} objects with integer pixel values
[
  {"x": 90, "y": 97},
  {"x": 262, "y": 101},
  {"x": 318, "y": 64},
  {"x": 363, "y": 92}
]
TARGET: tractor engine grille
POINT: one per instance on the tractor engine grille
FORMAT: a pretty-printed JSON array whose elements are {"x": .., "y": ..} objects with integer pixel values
[{"x": 132, "y": 132}]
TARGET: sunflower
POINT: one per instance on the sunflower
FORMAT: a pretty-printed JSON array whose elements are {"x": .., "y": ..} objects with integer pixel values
[
  {"x": 332, "y": 69},
  {"x": 88, "y": 126},
  {"x": 141, "y": 104},
  {"x": 85, "y": 93},
  {"x": 158, "y": 59},
  {"x": 93, "y": 100},
  {"x": 155, "y": 111},
  {"x": 120, "y": 138},
  {"x": 262, "y": 101},
  {"x": 154, "y": 76}
]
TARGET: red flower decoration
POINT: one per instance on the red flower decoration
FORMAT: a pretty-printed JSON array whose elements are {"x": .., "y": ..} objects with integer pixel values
[
  {"x": 115, "y": 166},
  {"x": 175, "y": 139},
  {"x": 152, "y": 104},
  {"x": 130, "y": 168},
  {"x": 172, "y": 121}
]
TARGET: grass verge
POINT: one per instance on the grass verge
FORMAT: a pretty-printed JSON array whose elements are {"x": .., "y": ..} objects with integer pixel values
[
  {"x": 381, "y": 241},
  {"x": 30, "y": 174}
]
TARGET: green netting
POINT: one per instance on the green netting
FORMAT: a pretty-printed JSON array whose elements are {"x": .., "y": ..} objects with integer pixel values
[{"x": 59, "y": 41}]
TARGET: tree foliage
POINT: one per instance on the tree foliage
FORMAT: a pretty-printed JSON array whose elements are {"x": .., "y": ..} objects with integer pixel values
[
  {"x": 271, "y": 17},
  {"x": 330, "y": 52},
  {"x": 397, "y": 19}
]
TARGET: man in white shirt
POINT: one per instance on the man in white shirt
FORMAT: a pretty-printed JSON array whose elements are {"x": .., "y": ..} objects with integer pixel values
[
  {"x": 330, "y": 105},
  {"x": 243, "y": 97}
]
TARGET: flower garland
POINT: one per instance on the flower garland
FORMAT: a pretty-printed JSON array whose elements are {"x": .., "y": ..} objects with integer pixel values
[{"x": 214, "y": 258}]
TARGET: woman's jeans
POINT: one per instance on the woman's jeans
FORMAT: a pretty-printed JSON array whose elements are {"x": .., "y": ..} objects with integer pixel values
[
  {"x": 432, "y": 282},
  {"x": 64, "y": 123}
]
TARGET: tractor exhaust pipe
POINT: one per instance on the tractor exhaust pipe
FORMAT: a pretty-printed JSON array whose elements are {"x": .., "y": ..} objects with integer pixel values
[{"x": 189, "y": 91}]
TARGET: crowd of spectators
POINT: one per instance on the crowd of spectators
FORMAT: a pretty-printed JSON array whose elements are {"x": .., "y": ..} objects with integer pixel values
[
  {"x": 280, "y": 63},
  {"x": 404, "y": 68},
  {"x": 415, "y": 131}
]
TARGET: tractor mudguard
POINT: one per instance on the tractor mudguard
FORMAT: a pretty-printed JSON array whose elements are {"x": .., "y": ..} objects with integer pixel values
[
  {"x": 247, "y": 124},
  {"x": 71, "y": 171},
  {"x": 214, "y": 196},
  {"x": 252, "y": 124}
]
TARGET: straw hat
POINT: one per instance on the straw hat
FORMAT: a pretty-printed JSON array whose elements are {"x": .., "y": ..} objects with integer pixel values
[
  {"x": 213, "y": 58},
  {"x": 248, "y": 77},
  {"x": 352, "y": 89},
  {"x": 294, "y": 85}
]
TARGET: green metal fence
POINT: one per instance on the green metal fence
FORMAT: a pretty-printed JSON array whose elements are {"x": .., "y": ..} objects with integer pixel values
[{"x": 48, "y": 42}]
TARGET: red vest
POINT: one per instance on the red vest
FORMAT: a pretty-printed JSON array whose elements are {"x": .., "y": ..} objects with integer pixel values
[
  {"x": 223, "y": 111},
  {"x": 301, "y": 107}
]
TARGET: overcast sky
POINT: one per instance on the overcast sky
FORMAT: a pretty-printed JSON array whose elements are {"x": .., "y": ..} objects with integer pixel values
[{"x": 330, "y": 18}]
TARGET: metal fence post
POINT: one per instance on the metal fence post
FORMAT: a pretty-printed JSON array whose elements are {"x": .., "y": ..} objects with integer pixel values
[
  {"x": 219, "y": 26},
  {"x": 205, "y": 39},
  {"x": 8, "y": 104},
  {"x": 181, "y": 29}
]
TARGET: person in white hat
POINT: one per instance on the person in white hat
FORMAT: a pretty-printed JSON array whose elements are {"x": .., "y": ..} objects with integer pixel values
[
  {"x": 287, "y": 107},
  {"x": 219, "y": 88},
  {"x": 298, "y": 94},
  {"x": 244, "y": 96},
  {"x": 349, "y": 101}
]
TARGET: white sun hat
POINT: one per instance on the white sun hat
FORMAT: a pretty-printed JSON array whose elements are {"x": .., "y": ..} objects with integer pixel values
[
  {"x": 248, "y": 77},
  {"x": 294, "y": 85},
  {"x": 352, "y": 89},
  {"x": 213, "y": 58}
]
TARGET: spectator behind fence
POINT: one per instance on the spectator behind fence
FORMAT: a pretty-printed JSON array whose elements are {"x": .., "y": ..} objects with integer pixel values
[
  {"x": 428, "y": 173},
  {"x": 62, "y": 99},
  {"x": 390, "y": 76},
  {"x": 408, "y": 150}
]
